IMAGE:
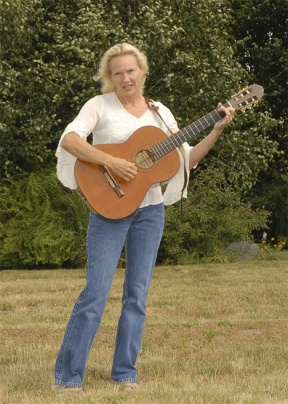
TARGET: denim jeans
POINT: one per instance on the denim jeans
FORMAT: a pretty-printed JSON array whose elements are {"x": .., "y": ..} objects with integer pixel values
[{"x": 141, "y": 233}]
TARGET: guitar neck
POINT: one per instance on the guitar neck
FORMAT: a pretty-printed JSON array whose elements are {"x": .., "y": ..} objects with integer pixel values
[{"x": 172, "y": 142}]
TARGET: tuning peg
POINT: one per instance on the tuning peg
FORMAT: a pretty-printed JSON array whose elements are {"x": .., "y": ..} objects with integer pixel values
[{"x": 241, "y": 92}]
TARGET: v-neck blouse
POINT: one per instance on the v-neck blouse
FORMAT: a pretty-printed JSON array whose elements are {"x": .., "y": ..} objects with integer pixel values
[{"x": 109, "y": 122}]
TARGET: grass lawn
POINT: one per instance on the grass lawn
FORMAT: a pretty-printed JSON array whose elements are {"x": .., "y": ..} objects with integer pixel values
[{"x": 215, "y": 333}]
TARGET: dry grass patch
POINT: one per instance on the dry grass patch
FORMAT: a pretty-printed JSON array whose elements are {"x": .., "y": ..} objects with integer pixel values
[{"x": 215, "y": 333}]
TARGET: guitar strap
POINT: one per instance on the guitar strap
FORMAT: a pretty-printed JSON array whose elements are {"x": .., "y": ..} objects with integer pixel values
[{"x": 154, "y": 107}]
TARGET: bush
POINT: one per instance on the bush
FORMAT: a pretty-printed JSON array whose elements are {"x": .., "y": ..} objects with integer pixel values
[
  {"x": 41, "y": 224},
  {"x": 213, "y": 216}
]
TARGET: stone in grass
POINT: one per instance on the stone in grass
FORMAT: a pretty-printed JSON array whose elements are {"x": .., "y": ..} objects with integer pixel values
[{"x": 244, "y": 251}]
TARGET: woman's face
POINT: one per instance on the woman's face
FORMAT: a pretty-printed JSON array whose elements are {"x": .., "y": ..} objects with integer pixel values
[{"x": 126, "y": 75}]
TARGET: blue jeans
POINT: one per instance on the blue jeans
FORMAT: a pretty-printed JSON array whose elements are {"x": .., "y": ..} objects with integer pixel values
[{"x": 141, "y": 233}]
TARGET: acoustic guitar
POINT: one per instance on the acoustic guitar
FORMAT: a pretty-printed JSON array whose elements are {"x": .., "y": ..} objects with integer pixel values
[{"x": 155, "y": 155}]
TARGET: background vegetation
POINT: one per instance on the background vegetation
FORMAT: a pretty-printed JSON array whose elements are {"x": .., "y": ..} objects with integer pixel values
[{"x": 199, "y": 52}]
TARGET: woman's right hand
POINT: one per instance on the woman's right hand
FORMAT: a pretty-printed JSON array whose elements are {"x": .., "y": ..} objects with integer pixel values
[{"x": 123, "y": 168}]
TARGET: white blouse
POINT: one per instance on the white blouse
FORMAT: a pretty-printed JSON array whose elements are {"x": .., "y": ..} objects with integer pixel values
[{"x": 109, "y": 122}]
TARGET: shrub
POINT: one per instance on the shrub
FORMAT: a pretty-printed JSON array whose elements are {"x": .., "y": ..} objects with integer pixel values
[
  {"x": 39, "y": 223},
  {"x": 213, "y": 216},
  {"x": 43, "y": 224}
]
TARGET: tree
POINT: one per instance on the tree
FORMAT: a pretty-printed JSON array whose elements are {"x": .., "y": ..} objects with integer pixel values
[
  {"x": 51, "y": 50},
  {"x": 260, "y": 28},
  {"x": 46, "y": 78}
]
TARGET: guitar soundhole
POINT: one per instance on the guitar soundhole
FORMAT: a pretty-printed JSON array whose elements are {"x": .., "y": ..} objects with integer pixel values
[{"x": 144, "y": 159}]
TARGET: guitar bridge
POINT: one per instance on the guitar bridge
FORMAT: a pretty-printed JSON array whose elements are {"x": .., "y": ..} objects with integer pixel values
[{"x": 111, "y": 180}]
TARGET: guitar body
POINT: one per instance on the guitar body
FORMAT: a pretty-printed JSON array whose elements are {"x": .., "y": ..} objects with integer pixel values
[{"x": 99, "y": 192}]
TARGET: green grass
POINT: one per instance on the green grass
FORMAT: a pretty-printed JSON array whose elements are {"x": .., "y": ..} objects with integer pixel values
[{"x": 215, "y": 333}]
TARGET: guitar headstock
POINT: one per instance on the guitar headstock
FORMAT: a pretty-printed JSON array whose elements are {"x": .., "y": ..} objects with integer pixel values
[{"x": 247, "y": 97}]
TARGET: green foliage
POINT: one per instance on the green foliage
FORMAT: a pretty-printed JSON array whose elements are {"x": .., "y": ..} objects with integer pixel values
[
  {"x": 273, "y": 198},
  {"x": 38, "y": 223},
  {"x": 246, "y": 151},
  {"x": 50, "y": 52},
  {"x": 213, "y": 216},
  {"x": 195, "y": 67},
  {"x": 47, "y": 76},
  {"x": 260, "y": 29}
]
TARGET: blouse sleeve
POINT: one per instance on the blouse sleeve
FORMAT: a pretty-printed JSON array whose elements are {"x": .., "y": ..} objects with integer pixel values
[{"x": 83, "y": 125}]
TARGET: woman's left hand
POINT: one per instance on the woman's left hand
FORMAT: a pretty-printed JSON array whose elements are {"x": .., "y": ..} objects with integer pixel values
[{"x": 229, "y": 116}]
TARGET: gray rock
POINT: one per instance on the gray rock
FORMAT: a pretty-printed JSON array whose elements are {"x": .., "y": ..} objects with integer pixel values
[{"x": 244, "y": 251}]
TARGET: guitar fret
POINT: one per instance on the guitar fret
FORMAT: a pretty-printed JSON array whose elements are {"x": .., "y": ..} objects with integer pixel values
[
  {"x": 206, "y": 119},
  {"x": 154, "y": 151},
  {"x": 180, "y": 138},
  {"x": 203, "y": 126},
  {"x": 162, "y": 149},
  {"x": 171, "y": 145},
  {"x": 165, "y": 147}
]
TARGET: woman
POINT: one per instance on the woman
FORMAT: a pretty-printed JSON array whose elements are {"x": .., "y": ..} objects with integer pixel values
[{"x": 112, "y": 117}]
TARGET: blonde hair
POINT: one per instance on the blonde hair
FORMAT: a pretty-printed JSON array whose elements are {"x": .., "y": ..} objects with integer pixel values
[{"x": 104, "y": 72}]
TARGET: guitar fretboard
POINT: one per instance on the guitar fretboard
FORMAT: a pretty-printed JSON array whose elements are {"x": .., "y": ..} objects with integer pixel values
[{"x": 172, "y": 142}]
